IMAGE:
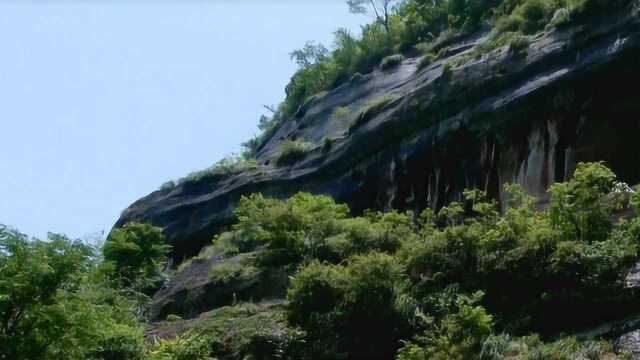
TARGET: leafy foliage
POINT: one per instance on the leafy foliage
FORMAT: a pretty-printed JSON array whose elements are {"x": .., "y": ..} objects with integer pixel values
[
  {"x": 54, "y": 303},
  {"x": 391, "y": 61},
  {"x": 353, "y": 301},
  {"x": 136, "y": 253},
  {"x": 227, "y": 166},
  {"x": 372, "y": 109},
  {"x": 380, "y": 278},
  {"x": 293, "y": 151},
  {"x": 457, "y": 283}
]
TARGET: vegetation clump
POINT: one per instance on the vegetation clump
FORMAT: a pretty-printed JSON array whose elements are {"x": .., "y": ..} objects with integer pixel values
[
  {"x": 293, "y": 151},
  {"x": 519, "y": 45},
  {"x": 463, "y": 282},
  {"x": 224, "y": 273},
  {"x": 372, "y": 109},
  {"x": 426, "y": 60},
  {"x": 227, "y": 166},
  {"x": 340, "y": 113},
  {"x": 60, "y": 300},
  {"x": 391, "y": 61},
  {"x": 446, "y": 284}
]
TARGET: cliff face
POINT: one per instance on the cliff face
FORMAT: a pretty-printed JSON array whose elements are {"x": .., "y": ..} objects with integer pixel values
[{"x": 469, "y": 119}]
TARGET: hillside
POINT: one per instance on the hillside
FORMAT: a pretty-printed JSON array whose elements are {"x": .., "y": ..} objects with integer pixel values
[
  {"x": 412, "y": 139},
  {"x": 414, "y": 136},
  {"x": 460, "y": 182}
]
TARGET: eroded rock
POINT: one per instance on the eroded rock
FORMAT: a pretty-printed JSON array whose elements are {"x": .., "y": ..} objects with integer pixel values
[{"x": 495, "y": 119}]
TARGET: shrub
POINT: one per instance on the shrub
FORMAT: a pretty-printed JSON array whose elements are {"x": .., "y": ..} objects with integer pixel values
[
  {"x": 391, "y": 61},
  {"x": 173, "y": 318},
  {"x": 137, "y": 253},
  {"x": 511, "y": 23},
  {"x": 354, "y": 302},
  {"x": 426, "y": 60},
  {"x": 190, "y": 346},
  {"x": 519, "y": 45},
  {"x": 293, "y": 151},
  {"x": 57, "y": 304},
  {"x": 458, "y": 335},
  {"x": 340, "y": 113},
  {"x": 446, "y": 70},
  {"x": 226, "y": 272},
  {"x": 225, "y": 167},
  {"x": 327, "y": 144},
  {"x": 296, "y": 226},
  {"x": 560, "y": 18},
  {"x": 356, "y": 77},
  {"x": 371, "y": 109},
  {"x": 529, "y": 347},
  {"x": 168, "y": 185}
]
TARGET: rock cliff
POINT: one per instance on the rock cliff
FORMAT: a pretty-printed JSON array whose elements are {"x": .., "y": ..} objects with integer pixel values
[{"x": 410, "y": 139}]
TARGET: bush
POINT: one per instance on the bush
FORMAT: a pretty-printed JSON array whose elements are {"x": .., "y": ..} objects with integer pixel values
[
  {"x": 426, "y": 60},
  {"x": 354, "y": 302},
  {"x": 519, "y": 45},
  {"x": 509, "y": 24},
  {"x": 168, "y": 185},
  {"x": 57, "y": 304},
  {"x": 183, "y": 347},
  {"x": 458, "y": 335},
  {"x": 327, "y": 145},
  {"x": 391, "y": 61},
  {"x": 224, "y": 273},
  {"x": 446, "y": 70},
  {"x": 340, "y": 113},
  {"x": 560, "y": 18},
  {"x": 136, "y": 252},
  {"x": 498, "y": 347},
  {"x": 225, "y": 167},
  {"x": 371, "y": 109},
  {"x": 293, "y": 151}
]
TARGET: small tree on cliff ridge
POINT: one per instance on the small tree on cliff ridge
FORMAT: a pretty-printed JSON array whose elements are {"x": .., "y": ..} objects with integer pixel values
[{"x": 380, "y": 10}]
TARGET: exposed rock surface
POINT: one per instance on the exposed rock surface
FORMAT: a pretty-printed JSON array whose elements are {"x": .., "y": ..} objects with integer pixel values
[
  {"x": 493, "y": 119},
  {"x": 191, "y": 291}
]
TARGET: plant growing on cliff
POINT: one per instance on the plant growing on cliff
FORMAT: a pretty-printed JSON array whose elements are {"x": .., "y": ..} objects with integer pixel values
[
  {"x": 223, "y": 273},
  {"x": 391, "y": 61},
  {"x": 519, "y": 45},
  {"x": 372, "y": 109},
  {"x": 229, "y": 165},
  {"x": 373, "y": 286},
  {"x": 426, "y": 60},
  {"x": 293, "y": 151},
  {"x": 340, "y": 113},
  {"x": 380, "y": 10},
  {"x": 135, "y": 254}
]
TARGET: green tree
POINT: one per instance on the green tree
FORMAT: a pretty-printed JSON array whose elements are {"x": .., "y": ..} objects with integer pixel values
[
  {"x": 580, "y": 209},
  {"x": 135, "y": 253},
  {"x": 380, "y": 10},
  {"x": 53, "y": 304}
]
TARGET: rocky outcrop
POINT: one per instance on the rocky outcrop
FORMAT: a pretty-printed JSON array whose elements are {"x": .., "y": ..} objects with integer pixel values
[
  {"x": 470, "y": 119},
  {"x": 192, "y": 290}
]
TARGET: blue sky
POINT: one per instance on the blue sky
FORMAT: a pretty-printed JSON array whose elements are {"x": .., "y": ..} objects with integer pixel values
[{"x": 103, "y": 101}]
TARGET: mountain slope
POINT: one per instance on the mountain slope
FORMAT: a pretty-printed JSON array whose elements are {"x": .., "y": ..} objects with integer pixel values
[{"x": 410, "y": 139}]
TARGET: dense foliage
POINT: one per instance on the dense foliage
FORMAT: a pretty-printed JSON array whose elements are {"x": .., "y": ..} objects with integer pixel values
[
  {"x": 134, "y": 254},
  {"x": 447, "y": 284},
  {"x": 57, "y": 301},
  {"x": 470, "y": 281}
]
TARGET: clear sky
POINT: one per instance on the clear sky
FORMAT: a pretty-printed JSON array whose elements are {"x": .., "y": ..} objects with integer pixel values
[{"x": 103, "y": 101}]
